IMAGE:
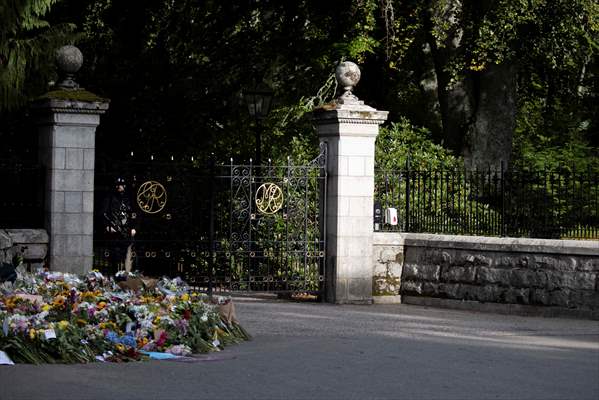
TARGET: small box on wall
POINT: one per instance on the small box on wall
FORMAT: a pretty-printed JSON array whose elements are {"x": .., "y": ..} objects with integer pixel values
[{"x": 391, "y": 216}]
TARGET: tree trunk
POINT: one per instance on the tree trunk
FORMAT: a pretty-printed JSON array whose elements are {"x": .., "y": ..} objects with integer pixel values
[
  {"x": 489, "y": 137},
  {"x": 431, "y": 114},
  {"x": 479, "y": 115},
  {"x": 455, "y": 98},
  {"x": 478, "y": 111},
  {"x": 456, "y": 106}
]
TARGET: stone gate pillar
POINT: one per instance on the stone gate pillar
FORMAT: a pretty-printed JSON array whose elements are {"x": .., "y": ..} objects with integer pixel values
[
  {"x": 349, "y": 127},
  {"x": 67, "y": 119}
]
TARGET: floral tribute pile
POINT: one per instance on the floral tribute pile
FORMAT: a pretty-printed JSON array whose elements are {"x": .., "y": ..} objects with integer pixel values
[{"x": 51, "y": 317}]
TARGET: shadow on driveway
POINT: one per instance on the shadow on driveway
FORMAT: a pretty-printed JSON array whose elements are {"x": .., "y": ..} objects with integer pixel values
[{"x": 304, "y": 351}]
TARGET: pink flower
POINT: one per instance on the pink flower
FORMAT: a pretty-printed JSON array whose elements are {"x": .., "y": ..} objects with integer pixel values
[{"x": 161, "y": 340}]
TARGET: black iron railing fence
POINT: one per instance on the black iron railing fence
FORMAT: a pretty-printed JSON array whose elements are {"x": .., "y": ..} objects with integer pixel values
[
  {"x": 559, "y": 204},
  {"x": 21, "y": 194}
]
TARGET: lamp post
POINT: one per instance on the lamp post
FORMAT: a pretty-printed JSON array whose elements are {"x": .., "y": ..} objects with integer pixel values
[{"x": 258, "y": 101}]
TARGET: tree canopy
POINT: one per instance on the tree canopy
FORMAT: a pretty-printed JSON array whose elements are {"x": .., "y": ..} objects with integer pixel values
[
  {"x": 501, "y": 80},
  {"x": 27, "y": 44}
]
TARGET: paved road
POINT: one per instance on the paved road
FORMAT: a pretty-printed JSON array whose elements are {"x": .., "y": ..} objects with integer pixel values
[{"x": 320, "y": 351}]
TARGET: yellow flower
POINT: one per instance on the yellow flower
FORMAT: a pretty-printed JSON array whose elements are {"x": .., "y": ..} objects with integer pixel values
[
  {"x": 107, "y": 325},
  {"x": 31, "y": 334},
  {"x": 185, "y": 297},
  {"x": 157, "y": 319},
  {"x": 101, "y": 305},
  {"x": 88, "y": 296},
  {"x": 59, "y": 301},
  {"x": 63, "y": 324},
  {"x": 120, "y": 347},
  {"x": 11, "y": 303},
  {"x": 46, "y": 307}
]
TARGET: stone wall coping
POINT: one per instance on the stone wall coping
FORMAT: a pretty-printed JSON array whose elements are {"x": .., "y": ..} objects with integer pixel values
[
  {"x": 334, "y": 114},
  {"x": 71, "y": 106},
  {"x": 388, "y": 239},
  {"x": 505, "y": 244},
  {"x": 27, "y": 236}
]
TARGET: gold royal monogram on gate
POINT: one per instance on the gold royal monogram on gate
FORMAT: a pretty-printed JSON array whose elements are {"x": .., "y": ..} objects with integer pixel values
[
  {"x": 269, "y": 198},
  {"x": 151, "y": 197}
]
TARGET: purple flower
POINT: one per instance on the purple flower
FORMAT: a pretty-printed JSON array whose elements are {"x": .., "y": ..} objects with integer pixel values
[{"x": 182, "y": 325}]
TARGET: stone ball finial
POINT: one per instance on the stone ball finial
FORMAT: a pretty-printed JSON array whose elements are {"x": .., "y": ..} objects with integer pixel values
[
  {"x": 348, "y": 75},
  {"x": 69, "y": 60}
]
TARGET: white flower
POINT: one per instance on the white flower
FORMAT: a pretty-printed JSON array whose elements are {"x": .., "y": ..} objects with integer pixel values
[
  {"x": 146, "y": 324},
  {"x": 18, "y": 322},
  {"x": 140, "y": 312},
  {"x": 39, "y": 319},
  {"x": 168, "y": 320},
  {"x": 179, "y": 350}
]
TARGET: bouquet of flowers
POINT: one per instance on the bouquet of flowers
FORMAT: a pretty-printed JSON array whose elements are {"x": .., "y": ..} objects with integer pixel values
[{"x": 53, "y": 317}]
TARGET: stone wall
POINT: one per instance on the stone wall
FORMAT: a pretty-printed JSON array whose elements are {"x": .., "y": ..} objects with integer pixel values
[
  {"x": 388, "y": 265},
  {"x": 538, "y": 272},
  {"x": 31, "y": 243}
]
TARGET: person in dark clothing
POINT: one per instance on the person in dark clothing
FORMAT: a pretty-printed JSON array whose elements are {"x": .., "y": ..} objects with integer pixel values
[{"x": 118, "y": 223}]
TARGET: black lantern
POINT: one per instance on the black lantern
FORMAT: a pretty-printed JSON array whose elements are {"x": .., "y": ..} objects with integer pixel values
[{"x": 258, "y": 101}]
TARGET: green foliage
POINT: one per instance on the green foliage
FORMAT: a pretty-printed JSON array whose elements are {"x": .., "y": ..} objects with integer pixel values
[
  {"x": 538, "y": 149},
  {"x": 27, "y": 45},
  {"x": 402, "y": 141},
  {"x": 401, "y": 31},
  {"x": 359, "y": 40},
  {"x": 182, "y": 67},
  {"x": 549, "y": 191},
  {"x": 559, "y": 34},
  {"x": 553, "y": 44},
  {"x": 175, "y": 71},
  {"x": 442, "y": 200},
  {"x": 557, "y": 120},
  {"x": 293, "y": 124}
]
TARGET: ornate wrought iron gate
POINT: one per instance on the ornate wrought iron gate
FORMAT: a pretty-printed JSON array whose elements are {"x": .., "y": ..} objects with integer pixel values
[{"x": 222, "y": 227}]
